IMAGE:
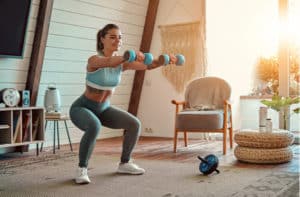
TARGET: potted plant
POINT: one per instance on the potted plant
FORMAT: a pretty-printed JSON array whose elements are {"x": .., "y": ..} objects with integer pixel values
[{"x": 279, "y": 103}]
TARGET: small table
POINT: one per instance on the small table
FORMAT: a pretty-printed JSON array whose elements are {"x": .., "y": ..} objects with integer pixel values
[{"x": 56, "y": 121}]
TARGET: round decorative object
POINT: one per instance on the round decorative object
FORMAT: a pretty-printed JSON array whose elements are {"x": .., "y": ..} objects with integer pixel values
[
  {"x": 263, "y": 156},
  {"x": 278, "y": 139},
  {"x": 10, "y": 97}
]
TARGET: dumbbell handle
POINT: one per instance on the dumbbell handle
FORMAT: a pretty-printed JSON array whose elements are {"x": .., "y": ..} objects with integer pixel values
[
  {"x": 165, "y": 59},
  {"x": 203, "y": 160},
  {"x": 130, "y": 56}
]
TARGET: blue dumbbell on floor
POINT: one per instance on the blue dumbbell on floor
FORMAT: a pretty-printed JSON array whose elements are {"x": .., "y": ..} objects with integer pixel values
[
  {"x": 130, "y": 56},
  {"x": 165, "y": 59}
]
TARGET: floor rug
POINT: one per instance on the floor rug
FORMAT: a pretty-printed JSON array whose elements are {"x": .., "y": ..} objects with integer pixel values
[{"x": 52, "y": 175}]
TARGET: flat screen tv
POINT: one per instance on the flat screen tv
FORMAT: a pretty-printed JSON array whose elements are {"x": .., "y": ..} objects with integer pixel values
[{"x": 13, "y": 24}]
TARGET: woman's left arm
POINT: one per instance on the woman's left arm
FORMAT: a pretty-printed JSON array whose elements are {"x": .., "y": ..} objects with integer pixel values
[{"x": 140, "y": 66}]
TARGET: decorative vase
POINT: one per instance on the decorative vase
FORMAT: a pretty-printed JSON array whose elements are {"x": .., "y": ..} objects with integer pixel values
[{"x": 284, "y": 118}]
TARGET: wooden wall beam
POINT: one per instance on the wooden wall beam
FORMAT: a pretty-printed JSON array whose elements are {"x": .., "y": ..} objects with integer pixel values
[
  {"x": 37, "y": 55},
  {"x": 145, "y": 47},
  {"x": 38, "y": 49}
]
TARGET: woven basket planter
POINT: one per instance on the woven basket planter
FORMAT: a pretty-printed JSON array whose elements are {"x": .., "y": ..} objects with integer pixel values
[
  {"x": 254, "y": 139},
  {"x": 263, "y": 156}
]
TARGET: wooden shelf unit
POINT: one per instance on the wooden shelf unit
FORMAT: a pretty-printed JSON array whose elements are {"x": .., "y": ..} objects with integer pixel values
[{"x": 21, "y": 126}]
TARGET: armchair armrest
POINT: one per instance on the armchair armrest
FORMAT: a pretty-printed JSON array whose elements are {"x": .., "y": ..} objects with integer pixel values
[{"x": 178, "y": 103}]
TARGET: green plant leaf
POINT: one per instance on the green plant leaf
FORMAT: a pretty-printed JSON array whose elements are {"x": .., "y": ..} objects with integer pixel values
[
  {"x": 296, "y": 100},
  {"x": 297, "y": 110},
  {"x": 277, "y": 102},
  {"x": 272, "y": 104}
]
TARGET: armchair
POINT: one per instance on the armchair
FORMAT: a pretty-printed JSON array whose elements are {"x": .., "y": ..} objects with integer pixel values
[{"x": 206, "y": 108}]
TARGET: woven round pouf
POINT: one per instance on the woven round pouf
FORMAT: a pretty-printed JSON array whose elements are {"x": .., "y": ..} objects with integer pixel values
[
  {"x": 263, "y": 156},
  {"x": 255, "y": 139}
]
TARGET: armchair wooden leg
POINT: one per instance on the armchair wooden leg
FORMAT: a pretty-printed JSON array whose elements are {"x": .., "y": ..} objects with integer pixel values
[
  {"x": 185, "y": 138},
  {"x": 224, "y": 141},
  {"x": 175, "y": 141},
  {"x": 231, "y": 135}
]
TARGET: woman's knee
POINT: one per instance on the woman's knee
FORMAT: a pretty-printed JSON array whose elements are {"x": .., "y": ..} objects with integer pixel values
[
  {"x": 93, "y": 128},
  {"x": 135, "y": 124}
]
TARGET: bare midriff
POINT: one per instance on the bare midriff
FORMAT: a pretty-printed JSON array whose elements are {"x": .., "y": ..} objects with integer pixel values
[{"x": 97, "y": 95}]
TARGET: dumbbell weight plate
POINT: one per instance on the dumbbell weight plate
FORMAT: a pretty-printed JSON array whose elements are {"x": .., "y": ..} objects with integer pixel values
[
  {"x": 210, "y": 166},
  {"x": 211, "y": 159},
  {"x": 164, "y": 59},
  {"x": 130, "y": 55},
  {"x": 180, "y": 59},
  {"x": 148, "y": 58}
]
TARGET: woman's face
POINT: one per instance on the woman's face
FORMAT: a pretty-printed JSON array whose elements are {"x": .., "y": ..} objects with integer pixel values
[{"x": 112, "y": 40}]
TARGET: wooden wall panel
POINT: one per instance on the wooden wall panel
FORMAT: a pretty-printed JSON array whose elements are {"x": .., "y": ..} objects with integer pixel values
[
  {"x": 138, "y": 9},
  {"x": 98, "y": 11},
  {"x": 77, "y": 19},
  {"x": 71, "y": 40}
]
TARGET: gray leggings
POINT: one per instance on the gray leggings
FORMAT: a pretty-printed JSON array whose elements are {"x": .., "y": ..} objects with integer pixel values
[{"x": 90, "y": 116}]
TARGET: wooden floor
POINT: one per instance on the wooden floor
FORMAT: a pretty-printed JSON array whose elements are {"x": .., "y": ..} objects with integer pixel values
[
  {"x": 161, "y": 148},
  {"x": 156, "y": 148}
]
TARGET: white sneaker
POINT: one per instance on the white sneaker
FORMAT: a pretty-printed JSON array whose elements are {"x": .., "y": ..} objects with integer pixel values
[
  {"x": 130, "y": 168},
  {"x": 82, "y": 176}
]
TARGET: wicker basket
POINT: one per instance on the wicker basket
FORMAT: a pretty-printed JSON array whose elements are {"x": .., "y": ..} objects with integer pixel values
[
  {"x": 264, "y": 140},
  {"x": 263, "y": 156}
]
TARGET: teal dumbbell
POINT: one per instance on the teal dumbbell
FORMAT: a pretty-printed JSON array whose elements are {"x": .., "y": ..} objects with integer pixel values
[
  {"x": 130, "y": 56},
  {"x": 180, "y": 59},
  {"x": 165, "y": 59}
]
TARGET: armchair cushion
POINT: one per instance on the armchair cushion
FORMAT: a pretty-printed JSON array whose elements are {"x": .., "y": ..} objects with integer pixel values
[{"x": 189, "y": 120}]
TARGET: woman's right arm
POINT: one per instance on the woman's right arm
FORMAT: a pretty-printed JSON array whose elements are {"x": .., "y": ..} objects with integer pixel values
[{"x": 95, "y": 62}]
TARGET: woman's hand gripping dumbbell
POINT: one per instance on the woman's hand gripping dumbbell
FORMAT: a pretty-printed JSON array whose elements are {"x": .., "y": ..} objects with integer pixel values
[
  {"x": 131, "y": 55},
  {"x": 166, "y": 59}
]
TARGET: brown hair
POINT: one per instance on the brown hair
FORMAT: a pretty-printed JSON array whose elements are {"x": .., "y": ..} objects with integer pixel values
[{"x": 101, "y": 34}]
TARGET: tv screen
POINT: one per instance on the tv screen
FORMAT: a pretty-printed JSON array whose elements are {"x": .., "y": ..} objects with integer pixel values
[{"x": 13, "y": 23}]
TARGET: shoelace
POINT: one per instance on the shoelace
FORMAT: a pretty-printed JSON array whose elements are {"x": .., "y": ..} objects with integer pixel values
[{"x": 82, "y": 172}]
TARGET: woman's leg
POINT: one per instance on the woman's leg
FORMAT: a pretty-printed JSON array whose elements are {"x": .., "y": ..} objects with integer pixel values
[
  {"x": 116, "y": 118},
  {"x": 88, "y": 122}
]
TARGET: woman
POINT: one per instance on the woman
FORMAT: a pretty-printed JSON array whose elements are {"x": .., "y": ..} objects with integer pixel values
[{"x": 92, "y": 110}]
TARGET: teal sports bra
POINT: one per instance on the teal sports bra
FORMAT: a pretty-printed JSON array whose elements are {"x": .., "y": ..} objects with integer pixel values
[{"x": 106, "y": 78}]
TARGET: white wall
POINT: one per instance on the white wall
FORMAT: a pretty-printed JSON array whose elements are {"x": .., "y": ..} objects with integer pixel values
[
  {"x": 237, "y": 33},
  {"x": 155, "y": 108}
]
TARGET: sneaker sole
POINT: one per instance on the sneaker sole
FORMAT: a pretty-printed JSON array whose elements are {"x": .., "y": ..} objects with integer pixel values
[
  {"x": 126, "y": 172},
  {"x": 82, "y": 181}
]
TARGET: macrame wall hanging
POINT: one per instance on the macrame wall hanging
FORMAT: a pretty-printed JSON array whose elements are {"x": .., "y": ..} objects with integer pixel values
[{"x": 187, "y": 39}]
